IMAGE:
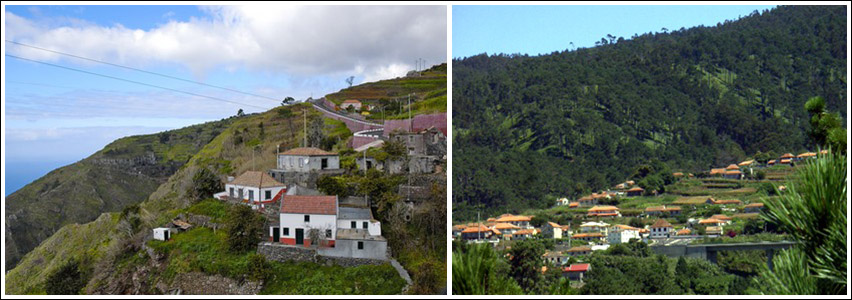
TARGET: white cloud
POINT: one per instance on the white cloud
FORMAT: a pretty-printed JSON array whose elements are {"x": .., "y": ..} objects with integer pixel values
[{"x": 365, "y": 41}]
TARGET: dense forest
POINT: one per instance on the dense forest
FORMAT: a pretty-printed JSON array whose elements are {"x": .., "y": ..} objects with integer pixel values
[{"x": 530, "y": 128}]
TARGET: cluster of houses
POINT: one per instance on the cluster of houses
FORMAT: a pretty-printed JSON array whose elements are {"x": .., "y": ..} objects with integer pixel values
[
  {"x": 739, "y": 170},
  {"x": 355, "y": 105}
]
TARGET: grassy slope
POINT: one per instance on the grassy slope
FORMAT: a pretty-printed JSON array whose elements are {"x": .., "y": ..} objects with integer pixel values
[
  {"x": 430, "y": 93},
  {"x": 80, "y": 192}
]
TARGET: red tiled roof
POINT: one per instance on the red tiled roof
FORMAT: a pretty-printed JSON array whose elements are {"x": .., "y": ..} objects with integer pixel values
[
  {"x": 636, "y": 189},
  {"x": 307, "y": 151},
  {"x": 317, "y": 205},
  {"x": 576, "y": 268}
]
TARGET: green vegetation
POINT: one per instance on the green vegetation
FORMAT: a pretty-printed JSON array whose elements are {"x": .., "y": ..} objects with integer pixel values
[
  {"x": 813, "y": 211},
  {"x": 68, "y": 280},
  {"x": 243, "y": 228},
  {"x": 572, "y": 122},
  {"x": 476, "y": 272}
]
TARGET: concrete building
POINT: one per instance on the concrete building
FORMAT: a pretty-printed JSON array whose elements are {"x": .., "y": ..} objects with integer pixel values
[
  {"x": 657, "y": 211},
  {"x": 358, "y": 218},
  {"x": 594, "y": 237},
  {"x": 552, "y": 230},
  {"x": 254, "y": 188},
  {"x": 306, "y": 159},
  {"x": 357, "y": 243},
  {"x": 662, "y": 229},
  {"x": 521, "y": 221},
  {"x": 599, "y": 227},
  {"x": 575, "y": 272},
  {"x": 622, "y": 234},
  {"x": 162, "y": 234},
  {"x": 304, "y": 217},
  {"x": 578, "y": 251}
]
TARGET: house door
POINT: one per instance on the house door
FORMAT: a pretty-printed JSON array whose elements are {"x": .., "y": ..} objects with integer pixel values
[
  {"x": 300, "y": 236},
  {"x": 324, "y": 163},
  {"x": 276, "y": 234},
  {"x": 167, "y": 234}
]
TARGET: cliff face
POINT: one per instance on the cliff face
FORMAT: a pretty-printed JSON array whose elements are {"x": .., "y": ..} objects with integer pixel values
[{"x": 124, "y": 173}]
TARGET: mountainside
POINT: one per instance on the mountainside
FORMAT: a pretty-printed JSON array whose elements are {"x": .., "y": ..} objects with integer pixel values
[
  {"x": 428, "y": 89},
  {"x": 100, "y": 244},
  {"x": 123, "y": 173},
  {"x": 530, "y": 128}
]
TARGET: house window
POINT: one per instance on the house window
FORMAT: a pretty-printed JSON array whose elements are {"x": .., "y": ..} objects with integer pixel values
[
  {"x": 365, "y": 225},
  {"x": 307, "y": 218},
  {"x": 360, "y": 245},
  {"x": 286, "y": 231},
  {"x": 353, "y": 225},
  {"x": 268, "y": 195},
  {"x": 251, "y": 194},
  {"x": 231, "y": 192},
  {"x": 328, "y": 233}
]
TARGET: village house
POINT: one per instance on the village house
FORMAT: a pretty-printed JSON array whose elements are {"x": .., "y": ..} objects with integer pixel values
[
  {"x": 307, "y": 220},
  {"x": 658, "y": 211},
  {"x": 595, "y": 198},
  {"x": 717, "y": 172},
  {"x": 622, "y": 234},
  {"x": 713, "y": 230},
  {"x": 600, "y": 227},
  {"x": 746, "y": 163},
  {"x": 457, "y": 230},
  {"x": 733, "y": 174},
  {"x": 524, "y": 234},
  {"x": 713, "y": 221},
  {"x": 254, "y": 188},
  {"x": 306, "y": 159},
  {"x": 579, "y": 251},
  {"x": 684, "y": 231},
  {"x": 521, "y": 221},
  {"x": 661, "y": 229},
  {"x": 430, "y": 141},
  {"x": 723, "y": 202},
  {"x": 604, "y": 211},
  {"x": 575, "y": 272},
  {"x": 756, "y": 207},
  {"x": 555, "y": 257},
  {"x": 506, "y": 228},
  {"x": 355, "y": 104},
  {"x": 479, "y": 232},
  {"x": 552, "y": 230},
  {"x": 635, "y": 191},
  {"x": 562, "y": 202},
  {"x": 594, "y": 237},
  {"x": 805, "y": 155},
  {"x": 573, "y": 204}
]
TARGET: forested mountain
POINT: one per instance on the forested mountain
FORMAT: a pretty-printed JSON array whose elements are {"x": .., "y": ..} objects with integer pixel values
[{"x": 529, "y": 128}]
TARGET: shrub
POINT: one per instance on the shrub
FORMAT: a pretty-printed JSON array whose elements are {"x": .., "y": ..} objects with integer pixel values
[{"x": 67, "y": 280}]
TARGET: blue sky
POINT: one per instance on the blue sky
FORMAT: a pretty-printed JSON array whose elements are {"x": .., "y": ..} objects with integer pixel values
[
  {"x": 275, "y": 50},
  {"x": 543, "y": 29}
]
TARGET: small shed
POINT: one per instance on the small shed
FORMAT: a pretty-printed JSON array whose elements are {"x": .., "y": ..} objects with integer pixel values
[{"x": 162, "y": 234}]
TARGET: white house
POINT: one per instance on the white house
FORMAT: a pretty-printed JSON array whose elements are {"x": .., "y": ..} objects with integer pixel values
[
  {"x": 306, "y": 159},
  {"x": 255, "y": 188},
  {"x": 661, "y": 229},
  {"x": 358, "y": 218},
  {"x": 162, "y": 234},
  {"x": 355, "y": 104},
  {"x": 301, "y": 216},
  {"x": 594, "y": 227},
  {"x": 622, "y": 234},
  {"x": 552, "y": 230}
]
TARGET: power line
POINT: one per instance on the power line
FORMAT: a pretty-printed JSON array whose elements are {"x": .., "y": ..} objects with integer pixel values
[
  {"x": 143, "y": 71},
  {"x": 136, "y": 82}
]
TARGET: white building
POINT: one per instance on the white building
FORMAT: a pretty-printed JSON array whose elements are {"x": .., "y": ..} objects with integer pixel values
[
  {"x": 661, "y": 229},
  {"x": 255, "y": 188},
  {"x": 306, "y": 159},
  {"x": 622, "y": 234},
  {"x": 594, "y": 227},
  {"x": 552, "y": 230},
  {"x": 162, "y": 234},
  {"x": 302, "y": 217},
  {"x": 355, "y": 104},
  {"x": 358, "y": 218}
]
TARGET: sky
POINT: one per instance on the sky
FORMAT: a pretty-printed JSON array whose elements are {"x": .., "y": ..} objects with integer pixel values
[
  {"x": 543, "y": 29},
  {"x": 55, "y": 116}
]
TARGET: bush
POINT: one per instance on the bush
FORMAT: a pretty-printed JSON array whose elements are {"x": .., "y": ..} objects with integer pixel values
[
  {"x": 204, "y": 184},
  {"x": 67, "y": 280},
  {"x": 244, "y": 228}
]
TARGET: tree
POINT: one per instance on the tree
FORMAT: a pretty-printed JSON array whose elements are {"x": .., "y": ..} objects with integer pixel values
[
  {"x": 813, "y": 211},
  {"x": 826, "y": 128},
  {"x": 287, "y": 101},
  {"x": 204, "y": 184},
  {"x": 240, "y": 113},
  {"x": 475, "y": 272},
  {"x": 349, "y": 80},
  {"x": 316, "y": 134},
  {"x": 526, "y": 263},
  {"x": 244, "y": 228},
  {"x": 334, "y": 185},
  {"x": 67, "y": 280}
]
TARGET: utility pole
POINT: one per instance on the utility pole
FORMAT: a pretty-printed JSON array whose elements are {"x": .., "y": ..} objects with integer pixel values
[
  {"x": 305, "y": 139},
  {"x": 478, "y": 225},
  {"x": 409, "y": 114}
]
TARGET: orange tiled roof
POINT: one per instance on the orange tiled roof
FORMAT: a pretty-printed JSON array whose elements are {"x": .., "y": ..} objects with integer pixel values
[
  {"x": 476, "y": 229},
  {"x": 786, "y": 161},
  {"x": 733, "y": 172},
  {"x": 573, "y": 204},
  {"x": 256, "y": 179},
  {"x": 525, "y": 231},
  {"x": 504, "y": 226},
  {"x": 711, "y": 221},
  {"x": 459, "y": 227},
  {"x": 626, "y": 227},
  {"x": 513, "y": 218},
  {"x": 684, "y": 231},
  {"x": 732, "y": 167},
  {"x": 746, "y": 163},
  {"x": 717, "y": 171},
  {"x": 677, "y": 174},
  {"x": 806, "y": 154},
  {"x": 583, "y": 235},
  {"x": 758, "y": 204},
  {"x": 720, "y": 217},
  {"x": 603, "y": 208},
  {"x": 787, "y": 155},
  {"x": 579, "y": 249},
  {"x": 636, "y": 189},
  {"x": 662, "y": 208},
  {"x": 730, "y": 201},
  {"x": 771, "y": 162}
]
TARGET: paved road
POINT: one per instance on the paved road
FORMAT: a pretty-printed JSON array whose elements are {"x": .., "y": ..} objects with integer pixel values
[{"x": 318, "y": 105}]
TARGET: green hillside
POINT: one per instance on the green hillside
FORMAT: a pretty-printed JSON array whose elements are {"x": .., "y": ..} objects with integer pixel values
[
  {"x": 123, "y": 173},
  {"x": 429, "y": 94},
  {"x": 528, "y": 128}
]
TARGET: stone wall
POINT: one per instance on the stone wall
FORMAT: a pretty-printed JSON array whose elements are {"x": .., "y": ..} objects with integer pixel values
[
  {"x": 197, "y": 283},
  {"x": 284, "y": 253}
]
